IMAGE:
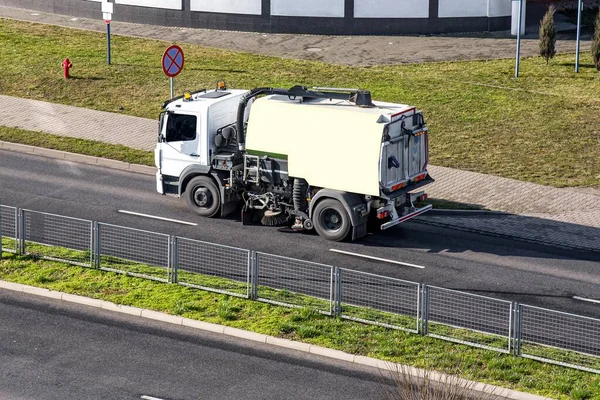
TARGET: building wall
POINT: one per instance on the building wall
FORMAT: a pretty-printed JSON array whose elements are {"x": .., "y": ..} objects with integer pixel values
[{"x": 337, "y": 17}]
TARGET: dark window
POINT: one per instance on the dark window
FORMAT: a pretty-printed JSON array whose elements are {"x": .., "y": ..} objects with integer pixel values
[{"x": 181, "y": 127}]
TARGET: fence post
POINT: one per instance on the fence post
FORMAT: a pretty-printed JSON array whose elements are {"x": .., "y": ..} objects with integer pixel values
[
  {"x": 21, "y": 230},
  {"x": 1, "y": 233},
  {"x": 518, "y": 317},
  {"x": 337, "y": 308},
  {"x": 425, "y": 311},
  {"x": 173, "y": 259},
  {"x": 253, "y": 270},
  {"x": 97, "y": 247}
]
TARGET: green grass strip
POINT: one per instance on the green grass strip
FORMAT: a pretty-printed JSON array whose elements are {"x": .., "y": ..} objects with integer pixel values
[
  {"x": 81, "y": 146},
  {"x": 307, "y": 325},
  {"x": 541, "y": 127}
]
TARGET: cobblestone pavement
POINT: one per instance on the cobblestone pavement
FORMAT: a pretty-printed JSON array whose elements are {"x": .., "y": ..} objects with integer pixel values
[{"x": 562, "y": 217}]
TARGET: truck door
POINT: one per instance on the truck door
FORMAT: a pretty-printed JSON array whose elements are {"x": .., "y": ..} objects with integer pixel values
[{"x": 180, "y": 143}]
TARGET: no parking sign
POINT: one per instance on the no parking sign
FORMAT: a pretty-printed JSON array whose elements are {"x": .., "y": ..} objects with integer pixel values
[{"x": 172, "y": 64}]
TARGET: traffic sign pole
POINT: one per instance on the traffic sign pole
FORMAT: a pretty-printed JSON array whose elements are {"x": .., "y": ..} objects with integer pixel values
[
  {"x": 579, "y": 7},
  {"x": 171, "y": 80},
  {"x": 519, "y": 38},
  {"x": 107, "y": 11},
  {"x": 108, "y": 41}
]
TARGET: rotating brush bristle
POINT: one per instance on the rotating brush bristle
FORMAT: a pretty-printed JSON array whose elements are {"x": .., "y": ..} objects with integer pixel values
[{"x": 274, "y": 218}]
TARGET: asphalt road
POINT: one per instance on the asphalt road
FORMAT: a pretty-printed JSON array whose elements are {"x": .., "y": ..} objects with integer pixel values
[
  {"x": 525, "y": 272},
  {"x": 55, "y": 350}
]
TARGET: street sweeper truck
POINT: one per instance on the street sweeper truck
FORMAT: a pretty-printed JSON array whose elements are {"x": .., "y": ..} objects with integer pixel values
[{"x": 324, "y": 159}]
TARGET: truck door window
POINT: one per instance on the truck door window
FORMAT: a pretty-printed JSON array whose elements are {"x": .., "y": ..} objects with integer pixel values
[{"x": 181, "y": 127}]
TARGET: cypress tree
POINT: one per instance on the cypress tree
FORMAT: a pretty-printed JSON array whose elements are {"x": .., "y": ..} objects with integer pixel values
[
  {"x": 548, "y": 35},
  {"x": 596, "y": 43}
]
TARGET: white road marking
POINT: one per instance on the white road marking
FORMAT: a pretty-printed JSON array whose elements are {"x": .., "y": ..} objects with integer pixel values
[
  {"x": 150, "y": 398},
  {"x": 588, "y": 300},
  {"x": 377, "y": 258},
  {"x": 155, "y": 217}
]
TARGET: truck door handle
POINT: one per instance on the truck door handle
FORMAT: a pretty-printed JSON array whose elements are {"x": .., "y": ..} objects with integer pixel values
[{"x": 194, "y": 155}]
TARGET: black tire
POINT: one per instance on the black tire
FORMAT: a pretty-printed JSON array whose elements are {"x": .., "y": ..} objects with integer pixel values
[
  {"x": 203, "y": 197},
  {"x": 331, "y": 221}
]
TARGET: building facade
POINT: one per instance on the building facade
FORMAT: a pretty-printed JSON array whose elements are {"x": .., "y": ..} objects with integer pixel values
[{"x": 337, "y": 17}]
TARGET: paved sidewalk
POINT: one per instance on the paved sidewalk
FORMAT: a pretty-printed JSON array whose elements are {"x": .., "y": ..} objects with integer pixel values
[
  {"x": 561, "y": 217},
  {"x": 347, "y": 50}
]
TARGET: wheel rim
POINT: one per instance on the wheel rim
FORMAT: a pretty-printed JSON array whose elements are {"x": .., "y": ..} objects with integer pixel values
[
  {"x": 203, "y": 197},
  {"x": 331, "y": 220}
]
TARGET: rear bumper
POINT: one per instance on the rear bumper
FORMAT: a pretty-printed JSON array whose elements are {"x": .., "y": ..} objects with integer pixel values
[{"x": 406, "y": 217}]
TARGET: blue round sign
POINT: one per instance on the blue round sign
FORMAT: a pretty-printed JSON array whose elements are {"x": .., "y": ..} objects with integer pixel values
[{"x": 172, "y": 61}]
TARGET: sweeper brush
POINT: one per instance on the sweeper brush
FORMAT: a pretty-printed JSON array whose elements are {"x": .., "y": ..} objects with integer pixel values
[{"x": 274, "y": 218}]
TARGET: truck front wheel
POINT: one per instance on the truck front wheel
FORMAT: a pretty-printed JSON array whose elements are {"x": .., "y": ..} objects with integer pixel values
[
  {"x": 331, "y": 220},
  {"x": 202, "y": 196}
]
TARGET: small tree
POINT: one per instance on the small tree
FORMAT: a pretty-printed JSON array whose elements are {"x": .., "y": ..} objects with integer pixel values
[
  {"x": 548, "y": 35},
  {"x": 596, "y": 43}
]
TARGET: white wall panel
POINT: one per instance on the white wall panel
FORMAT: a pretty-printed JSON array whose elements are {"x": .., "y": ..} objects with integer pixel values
[
  {"x": 500, "y": 8},
  {"x": 228, "y": 6},
  {"x": 463, "y": 8},
  {"x": 391, "y": 8},
  {"x": 308, "y": 8},
  {"x": 170, "y": 4}
]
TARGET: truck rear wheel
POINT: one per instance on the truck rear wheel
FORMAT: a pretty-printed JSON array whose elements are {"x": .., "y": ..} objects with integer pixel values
[
  {"x": 331, "y": 220},
  {"x": 202, "y": 196}
]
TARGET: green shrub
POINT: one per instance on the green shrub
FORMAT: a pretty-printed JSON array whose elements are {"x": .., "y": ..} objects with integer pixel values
[
  {"x": 548, "y": 35},
  {"x": 596, "y": 43}
]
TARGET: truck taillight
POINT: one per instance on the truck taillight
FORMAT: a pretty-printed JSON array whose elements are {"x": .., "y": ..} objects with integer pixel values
[
  {"x": 422, "y": 198},
  {"x": 383, "y": 214}
]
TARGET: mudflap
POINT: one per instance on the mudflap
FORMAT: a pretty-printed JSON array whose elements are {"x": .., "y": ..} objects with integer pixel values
[{"x": 359, "y": 231}]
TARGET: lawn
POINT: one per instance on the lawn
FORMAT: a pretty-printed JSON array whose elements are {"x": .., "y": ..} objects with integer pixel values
[
  {"x": 306, "y": 325},
  {"x": 543, "y": 127}
]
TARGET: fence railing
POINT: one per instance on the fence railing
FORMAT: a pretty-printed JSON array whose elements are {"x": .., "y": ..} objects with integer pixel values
[
  {"x": 468, "y": 318},
  {"x": 8, "y": 229},
  {"x": 474, "y": 320}
]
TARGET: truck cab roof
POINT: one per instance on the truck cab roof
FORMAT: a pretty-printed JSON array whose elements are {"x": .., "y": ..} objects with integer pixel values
[{"x": 201, "y": 100}]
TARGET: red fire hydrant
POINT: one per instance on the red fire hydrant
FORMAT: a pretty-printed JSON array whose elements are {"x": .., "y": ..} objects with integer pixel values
[{"x": 66, "y": 64}]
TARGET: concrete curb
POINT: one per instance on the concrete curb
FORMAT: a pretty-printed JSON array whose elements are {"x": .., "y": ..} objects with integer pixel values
[
  {"x": 257, "y": 337},
  {"x": 80, "y": 158}
]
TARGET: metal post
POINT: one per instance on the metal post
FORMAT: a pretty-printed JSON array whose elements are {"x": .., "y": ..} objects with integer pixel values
[
  {"x": 253, "y": 270},
  {"x": 92, "y": 243},
  {"x": 173, "y": 259},
  {"x": 337, "y": 290},
  {"x": 425, "y": 312},
  {"x": 21, "y": 231},
  {"x": 108, "y": 41},
  {"x": 520, "y": 16},
  {"x": 97, "y": 251},
  {"x": 171, "y": 81},
  {"x": 0, "y": 233},
  {"x": 518, "y": 322},
  {"x": 579, "y": 10}
]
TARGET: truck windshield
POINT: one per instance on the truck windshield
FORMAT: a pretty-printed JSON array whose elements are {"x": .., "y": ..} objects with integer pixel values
[{"x": 181, "y": 127}]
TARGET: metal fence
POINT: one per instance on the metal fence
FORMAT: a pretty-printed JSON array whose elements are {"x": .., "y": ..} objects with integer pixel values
[
  {"x": 558, "y": 337},
  {"x": 55, "y": 237},
  {"x": 8, "y": 229},
  {"x": 379, "y": 300},
  {"x": 468, "y": 318},
  {"x": 499, "y": 325},
  {"x": 213, "y": 267},
  {"x": 133, "y": 252},
  {"x": 295, "y": 283}
]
